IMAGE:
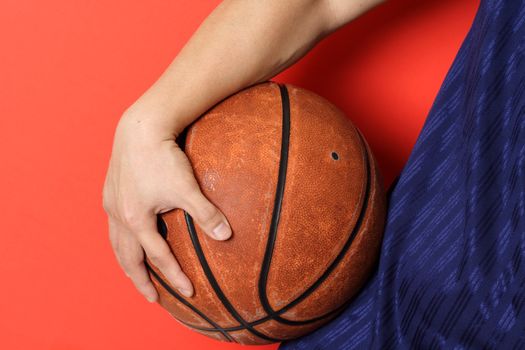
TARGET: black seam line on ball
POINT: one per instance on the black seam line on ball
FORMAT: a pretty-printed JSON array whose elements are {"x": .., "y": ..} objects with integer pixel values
[
  {"x": 270, "y": 246},
  {"x": 279, "y": 194},
  {"x": 215, "y": 285},
  {"x": 217, "y": 328},
  {"x": 167, "y": 287},
  {"x": 274, "y": 315},
  {"x": 269, "y": 318}
]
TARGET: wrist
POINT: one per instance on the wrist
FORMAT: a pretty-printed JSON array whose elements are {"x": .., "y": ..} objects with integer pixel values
[
  {"x": 153, "y": 116},
  {"x": 148, "y": 125}
]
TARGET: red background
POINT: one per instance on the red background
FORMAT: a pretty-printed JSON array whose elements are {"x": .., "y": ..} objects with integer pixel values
[{"x": 68, "y": 69}]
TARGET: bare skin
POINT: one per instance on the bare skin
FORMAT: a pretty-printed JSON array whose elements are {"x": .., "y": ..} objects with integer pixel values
[{"x": 240, "y": 43}]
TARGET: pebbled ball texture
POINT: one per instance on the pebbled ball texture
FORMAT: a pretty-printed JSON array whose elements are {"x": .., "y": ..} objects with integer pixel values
[{"x": 302, "y": 192}]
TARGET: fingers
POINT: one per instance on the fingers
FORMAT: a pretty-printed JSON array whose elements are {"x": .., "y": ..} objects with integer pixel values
[
  {"x": 130, "y": 257},
  {"x": 114, "y": 237},
  {"x": 132, "y": 261},
  {"x": 159, "y": 253},
  {"x": 210, "y": 219}
]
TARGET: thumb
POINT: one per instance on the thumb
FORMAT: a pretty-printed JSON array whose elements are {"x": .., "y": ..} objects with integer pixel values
[{"x": 210, "y": 219}]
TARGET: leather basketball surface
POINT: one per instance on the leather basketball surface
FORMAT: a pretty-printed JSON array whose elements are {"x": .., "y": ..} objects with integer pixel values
[{"x": 303, "y": 195}]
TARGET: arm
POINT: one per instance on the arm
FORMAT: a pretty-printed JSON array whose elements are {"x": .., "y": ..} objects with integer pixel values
[{"x": 240, "y": 43}]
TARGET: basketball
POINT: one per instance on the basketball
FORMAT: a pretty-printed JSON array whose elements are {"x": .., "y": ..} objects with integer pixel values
[{"x": 303, "y": 195}]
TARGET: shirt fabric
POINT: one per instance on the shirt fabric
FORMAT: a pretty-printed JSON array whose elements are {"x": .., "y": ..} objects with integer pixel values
[{"x": 451, "y": 273}]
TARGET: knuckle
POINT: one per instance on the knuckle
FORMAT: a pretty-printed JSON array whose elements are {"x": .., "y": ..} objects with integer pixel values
[
  {"x": 128, "y": 264},
  {"x": 178, "y": 282},
  {"x": 142, "y": 282},
  {"x": 159, "y": 258},
  {"x": 178, "y": 279},
  {"x": 130, "y": 218},
  {"x": 142, "y": 286},
  {"x": 207, "y": 214},
  {"x": 178, "y": 274}
]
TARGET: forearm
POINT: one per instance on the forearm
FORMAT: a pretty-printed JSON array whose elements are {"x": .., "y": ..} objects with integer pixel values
[{"x": 242, "y": 42}]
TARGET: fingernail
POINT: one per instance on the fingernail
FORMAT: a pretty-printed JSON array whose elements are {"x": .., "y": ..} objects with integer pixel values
[
  {"x": 222, "y": 231},
  {"x": 185, "y": 292},
  {"x": 150, "y": 298}
]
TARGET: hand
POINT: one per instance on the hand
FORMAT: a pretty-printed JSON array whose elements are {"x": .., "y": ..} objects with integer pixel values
[{"x": 149, "y": 174}]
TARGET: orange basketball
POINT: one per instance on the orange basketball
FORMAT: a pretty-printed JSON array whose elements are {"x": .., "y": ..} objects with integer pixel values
[{"x": 303, "y": 195}]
